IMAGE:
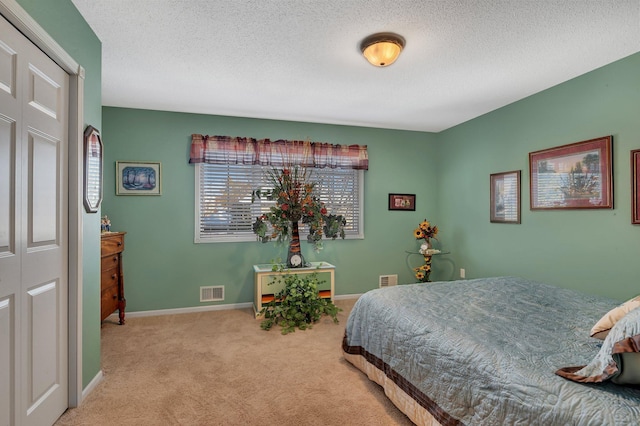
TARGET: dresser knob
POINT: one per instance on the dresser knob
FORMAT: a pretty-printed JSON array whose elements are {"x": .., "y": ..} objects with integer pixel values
[
  {"x": 115, "y": 258},
  {"x": 119, "y": 243},
  {"x": 113, "y": 276}
]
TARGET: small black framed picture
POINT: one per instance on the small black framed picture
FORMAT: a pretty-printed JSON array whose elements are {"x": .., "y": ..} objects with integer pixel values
[{"x": 402, "y": 202}]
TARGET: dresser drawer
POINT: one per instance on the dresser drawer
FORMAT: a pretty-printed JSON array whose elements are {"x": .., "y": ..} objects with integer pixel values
[
  {"x": 111, "y": 244},
  {"x": 109, "y": 278},
  {"x": 109, "y": 262},
  {"x": 109, "y": 302}
]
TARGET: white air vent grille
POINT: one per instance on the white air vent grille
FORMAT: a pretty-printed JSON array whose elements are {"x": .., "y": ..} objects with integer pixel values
[
  {"x": 388, "y": 280},
  {"x": 212, "y": 293}
]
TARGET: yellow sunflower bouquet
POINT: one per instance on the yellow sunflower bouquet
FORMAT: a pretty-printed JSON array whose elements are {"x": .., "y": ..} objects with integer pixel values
[{"x": 425, "y": 231}]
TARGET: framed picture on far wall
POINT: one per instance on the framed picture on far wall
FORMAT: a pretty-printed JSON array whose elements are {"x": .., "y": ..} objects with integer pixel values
[
  {"x": 635, "y": 187},
  {"x": 574, "y": 176},
  {"x": 138, "y": 178},
  {"x": 402, "y": 202},
  {"x": 505, "y": 197}
]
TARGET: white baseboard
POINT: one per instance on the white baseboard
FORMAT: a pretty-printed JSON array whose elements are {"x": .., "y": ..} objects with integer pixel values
[
  {"x": 175, "y": 311},
  {"x": 92, "y": 384}
]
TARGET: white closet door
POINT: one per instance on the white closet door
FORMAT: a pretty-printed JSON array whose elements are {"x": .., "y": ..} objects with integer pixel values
[{"x": 33, "y": 233}]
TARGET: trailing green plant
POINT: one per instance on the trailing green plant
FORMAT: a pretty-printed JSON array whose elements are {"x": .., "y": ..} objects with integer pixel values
[{"x": 298, "y": 305}]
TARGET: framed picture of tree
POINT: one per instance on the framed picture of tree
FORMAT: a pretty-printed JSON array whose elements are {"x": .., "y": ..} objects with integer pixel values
[{"x": 574, "y": 176}]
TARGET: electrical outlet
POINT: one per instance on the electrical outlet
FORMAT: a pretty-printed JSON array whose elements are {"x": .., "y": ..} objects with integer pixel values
[{"x": 462, "y": 274}]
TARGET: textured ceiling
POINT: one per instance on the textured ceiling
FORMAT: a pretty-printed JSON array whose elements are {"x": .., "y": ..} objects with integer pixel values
[{"x": 299, "y": 59}]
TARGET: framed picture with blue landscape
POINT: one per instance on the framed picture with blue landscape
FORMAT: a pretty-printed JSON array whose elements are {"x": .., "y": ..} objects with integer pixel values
[
  {"x": 574, "y": 176},
  {"x": 138, "y": 178}
]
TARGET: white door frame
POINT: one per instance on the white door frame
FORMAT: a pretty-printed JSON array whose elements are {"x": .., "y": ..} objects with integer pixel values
[{"x": 14, "y": 13}]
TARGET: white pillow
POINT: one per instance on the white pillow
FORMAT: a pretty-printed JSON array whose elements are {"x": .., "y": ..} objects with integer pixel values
[
  {"x": 602, "y": 327},
  {"x": 617, "y": 359}
]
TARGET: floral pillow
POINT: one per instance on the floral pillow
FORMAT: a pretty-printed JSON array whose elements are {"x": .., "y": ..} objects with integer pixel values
[
  {"x": 618, "y": 359},
  {"x": 602, "y": 327}
]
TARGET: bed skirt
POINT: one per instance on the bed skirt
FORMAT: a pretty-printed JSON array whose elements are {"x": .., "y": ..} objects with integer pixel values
[{"x": 418, "y": 407}]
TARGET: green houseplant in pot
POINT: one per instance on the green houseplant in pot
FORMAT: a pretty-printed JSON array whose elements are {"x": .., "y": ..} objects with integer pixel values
[{"x": 298, "y": 305}]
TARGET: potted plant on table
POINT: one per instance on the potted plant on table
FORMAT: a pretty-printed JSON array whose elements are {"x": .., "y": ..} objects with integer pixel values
[{"x": 298, "y": 304}]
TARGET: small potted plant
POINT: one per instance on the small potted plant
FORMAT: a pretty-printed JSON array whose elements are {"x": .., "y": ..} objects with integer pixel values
[{"x": 298, "y": 305}]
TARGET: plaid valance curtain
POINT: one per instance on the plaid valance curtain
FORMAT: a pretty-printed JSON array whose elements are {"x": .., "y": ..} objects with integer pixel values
[{"x": 235, "y": 150}]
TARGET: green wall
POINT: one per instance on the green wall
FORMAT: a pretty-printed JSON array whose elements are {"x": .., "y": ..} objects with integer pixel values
[
  {"x": 595, "y": 251},
  {"x": 62, "y": 21},
  {"x": 164, "y": 268}
]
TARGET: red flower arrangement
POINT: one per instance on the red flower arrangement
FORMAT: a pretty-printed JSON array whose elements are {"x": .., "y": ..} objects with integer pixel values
[{"x": 296, "y": 201}]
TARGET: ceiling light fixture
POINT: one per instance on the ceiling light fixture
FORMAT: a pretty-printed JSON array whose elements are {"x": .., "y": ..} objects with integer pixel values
[{"x": 382, "y": 49}]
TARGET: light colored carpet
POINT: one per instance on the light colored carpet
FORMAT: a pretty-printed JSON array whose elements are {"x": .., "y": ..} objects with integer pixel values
[{"x": 220, "y": 368}]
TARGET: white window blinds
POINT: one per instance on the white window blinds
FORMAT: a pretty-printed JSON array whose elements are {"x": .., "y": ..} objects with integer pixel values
[{"x": 224, "y": 211}]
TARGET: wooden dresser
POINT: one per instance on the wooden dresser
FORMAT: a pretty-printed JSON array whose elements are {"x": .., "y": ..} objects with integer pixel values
[{"x": 111, "y": 276}]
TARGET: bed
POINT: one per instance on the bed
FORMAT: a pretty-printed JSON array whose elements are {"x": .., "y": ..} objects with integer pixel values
[{"x": 493, "y": 351}]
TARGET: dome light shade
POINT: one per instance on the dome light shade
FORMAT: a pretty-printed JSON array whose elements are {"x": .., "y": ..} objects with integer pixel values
[{"x": 382, "y": 49}]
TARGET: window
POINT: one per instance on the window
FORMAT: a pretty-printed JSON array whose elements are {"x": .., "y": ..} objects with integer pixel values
[{"x": 224, "y": 211}]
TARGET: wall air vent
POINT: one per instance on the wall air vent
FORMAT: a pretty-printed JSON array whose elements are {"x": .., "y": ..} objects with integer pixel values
[
  {"x": 388, "y": 280},
  {"x": 212, "y": 293}
]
